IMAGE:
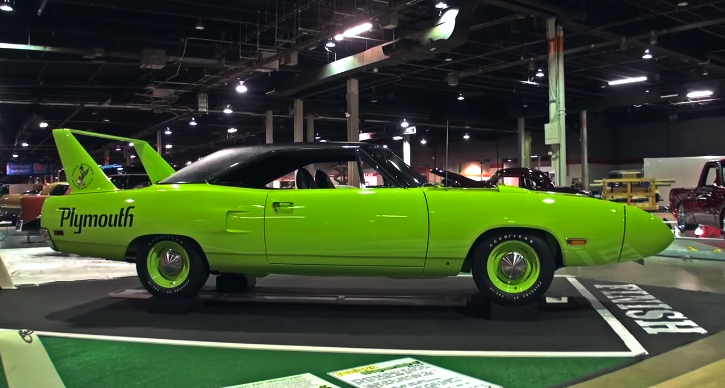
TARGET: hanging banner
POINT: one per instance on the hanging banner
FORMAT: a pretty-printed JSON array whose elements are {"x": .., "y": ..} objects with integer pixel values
[
  {"x": 407, "y": 373},
  {"x": 305, "y": 380},
  {"x": 29, "y": 168}
]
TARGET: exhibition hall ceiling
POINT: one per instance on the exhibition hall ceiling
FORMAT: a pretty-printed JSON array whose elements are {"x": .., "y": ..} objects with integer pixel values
[{"x": 132, "y": 67}]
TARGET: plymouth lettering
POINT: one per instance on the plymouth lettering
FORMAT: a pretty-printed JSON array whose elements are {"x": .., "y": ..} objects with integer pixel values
[
  {"x": 122, "y": 219},
  {"x": 649, "y": 313}
]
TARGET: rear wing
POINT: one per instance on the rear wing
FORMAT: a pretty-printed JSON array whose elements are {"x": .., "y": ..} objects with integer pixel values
[{"x": 84, "y": 174}]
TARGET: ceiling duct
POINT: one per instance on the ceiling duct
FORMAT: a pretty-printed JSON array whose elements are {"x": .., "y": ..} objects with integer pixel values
[{"x": 426, "y": 40}]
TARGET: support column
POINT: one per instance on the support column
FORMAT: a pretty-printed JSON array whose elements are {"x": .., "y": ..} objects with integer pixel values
[
  {"x": 269, "y": 126},
  {"x": 159, "y": 146},
  {"x": 310, "y": 128},
  {"x": 406, "y": 149},
  {"x": 353, "y": 127},
  {"x": 585, "y": 150},
  {"x": 556, "y": 129},
  {"x": 524, "y": 144},
  {"x": 298, "y": 119}
]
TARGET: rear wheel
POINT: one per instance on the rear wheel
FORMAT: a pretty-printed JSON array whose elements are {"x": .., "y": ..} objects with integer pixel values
[
  {"x": 171, "y": 267},
  {"x": 513, "y": 269}
]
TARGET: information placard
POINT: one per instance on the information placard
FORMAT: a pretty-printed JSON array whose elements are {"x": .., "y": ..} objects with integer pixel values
[
  {"x": 305, "y": 380},
  {"x": 407, "y": 373}
]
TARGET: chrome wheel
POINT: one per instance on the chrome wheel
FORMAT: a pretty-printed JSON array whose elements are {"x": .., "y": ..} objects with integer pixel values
[
  {"x": 170, "y": 263},
  {"x": 513, "y": 265}
]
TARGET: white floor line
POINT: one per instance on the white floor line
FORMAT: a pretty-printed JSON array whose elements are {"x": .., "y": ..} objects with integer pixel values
[
  {"x": 468, "y": 275},
  {"x": 633, "y": 345},
  {"x": 324, "y": 349}
]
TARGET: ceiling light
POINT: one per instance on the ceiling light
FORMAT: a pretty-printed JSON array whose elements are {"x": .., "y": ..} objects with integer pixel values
[
  {"x": 397, "y": 137},
  {"x": 24, "y": 144},
  {"x": 647, "y": 55},
  {"x": 330, "y": 44},
  {"x": 192, "y": 122},
  {"x": 118, "y": 148},
  {"x": 441, "y": 5},
  {"x": 6, "y": 6},
  {"x": 508, "y": 160},
  {"x": 699, "y": 94},
  {"x": 539, "y": 73},
  {"x": 404, "y": 124},
  {"x": 43, "y": 124},
  {"x": 130, "y": 144},
  {"x": 460, "y": 97},
  {"x": 133, "y": 156},
  {"x": 423, "y": 141},
  {"x": 357, "y": 30},
  {"x": 385, "y": 146},
  {"x": 448, "y": 58},
  {"x": 188, "y": 162},
  {"x": 466, "y": 136},
  {"x": 228, "y": 110},
  {"x": 323, "y": 141},
  {"x": 168, "y": 146},
  {"x": 14, "y": 155},
  {"x": 231, "y": 130},
  {"x": 105, "y": 119},
  {"x": 683, "y": 4},
  {"x": 241, "y": 88},
  {"x": 199, "y": 25},
  {"x": 534, "y": 156},
  {"x": 339, "y": 37},
  {"x": 167, "y": 131},
  {"x": 317, "y": 138},
  {"x": 627, "y": 81}
]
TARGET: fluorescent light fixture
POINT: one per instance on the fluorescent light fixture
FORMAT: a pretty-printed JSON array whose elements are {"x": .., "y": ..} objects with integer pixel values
[
  {"x": 133, "y": 156},
  {"x": 466, "y": 136},
  {"x": 529, "y": 83},
  {"x": 231, "y": 130},
  {"x": 683, "y": 4},
  {"x": 43, "y": 124},
  {"x": 192, "y": 122},
  {"x": 24, "y": 144},
  {"x": 670, "y": 95},
  {"x": 385, "y": 146},
  {"x": 404, "y": 124},
  {"x": 534, "y": 156},
  {"x": 441, "y": 5},
  {"x": 130, "y": 144},
  {"x": 699, "y": 94},
  {"x": 168, "y": 146},
  {"x": 199, "y": 25},
  {"x": 460, "y": 97},
  {"x": 241, "y": 88},
  {"x": 14, "y": 155},
  {"x": 6, "y": 6},
  {"x": 118, "y": 148},
  {"x": 647, "y": 54},
  {"x": 627, "y": 81},
  {"x": 397, "y": 137},
  {"x": 323, "y": 141},
  {"x": 105, "y": 119},
  {"x": 508, "y": 160},
  {"x": 357, "y": 30},
  {"x": 188, "y": 162},
  {"x": 339, "y": 37},
  {"x": 423, "y": 141},
  {"x": 330, "y": 44},
  {"x": 539, "y": 73},
  {"x": 228, "y": 110},
  {"x": 410, "y": 130},
  {"x": 167, "y": 131}
]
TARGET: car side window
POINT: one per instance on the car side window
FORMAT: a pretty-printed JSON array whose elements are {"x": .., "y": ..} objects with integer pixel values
[
  {"x": 59, "y": 190},
  {"x": 711, "y": 177}
]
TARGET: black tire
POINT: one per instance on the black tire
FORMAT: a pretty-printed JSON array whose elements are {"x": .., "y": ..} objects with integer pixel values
[
  {"x": 482, "y": 253},
  {"x": 189, "y": 285},
  {"x": 682, "y": 224}
]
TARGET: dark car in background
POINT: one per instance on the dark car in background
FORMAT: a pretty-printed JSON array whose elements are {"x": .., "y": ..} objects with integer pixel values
[{"x": 526, "y": 178}]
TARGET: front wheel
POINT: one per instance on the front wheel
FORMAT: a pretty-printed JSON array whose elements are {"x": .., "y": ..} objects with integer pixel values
[
  {"x": 171, "y": 267},
  {"x": 682, "y": 224},
  {"x": 513, "y": 269}
]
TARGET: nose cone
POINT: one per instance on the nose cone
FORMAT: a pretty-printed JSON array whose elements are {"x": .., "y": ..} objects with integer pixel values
[{"x": 644, "y": 235}]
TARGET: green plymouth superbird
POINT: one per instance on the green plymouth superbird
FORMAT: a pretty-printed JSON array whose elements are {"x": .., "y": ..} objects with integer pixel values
[{"x": 221, "y": 215}]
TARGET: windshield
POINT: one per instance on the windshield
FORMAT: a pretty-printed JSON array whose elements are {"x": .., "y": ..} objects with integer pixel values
[{"x": 397, "y": 167}]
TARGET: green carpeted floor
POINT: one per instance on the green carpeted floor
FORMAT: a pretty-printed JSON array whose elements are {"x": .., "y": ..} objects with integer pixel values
[{"x": 92, "y": 364}]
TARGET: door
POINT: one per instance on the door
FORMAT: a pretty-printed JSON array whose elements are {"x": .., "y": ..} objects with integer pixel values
[
  {"x": 702, "y": 204},
  {"x": 347, "y": 226}
]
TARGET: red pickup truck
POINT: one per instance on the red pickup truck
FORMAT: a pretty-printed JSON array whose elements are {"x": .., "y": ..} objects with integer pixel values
[{"x": 704, "y": 204}]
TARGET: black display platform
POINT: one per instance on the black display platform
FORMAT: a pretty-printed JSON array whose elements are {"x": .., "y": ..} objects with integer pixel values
[{"x": 85, "y": 308}]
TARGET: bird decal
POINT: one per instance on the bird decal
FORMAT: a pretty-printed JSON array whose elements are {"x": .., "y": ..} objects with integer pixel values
[{"x": 83, "y": 171}]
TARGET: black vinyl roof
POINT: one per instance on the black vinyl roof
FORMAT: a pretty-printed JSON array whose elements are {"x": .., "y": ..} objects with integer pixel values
[{"x": 207, "y": 167}]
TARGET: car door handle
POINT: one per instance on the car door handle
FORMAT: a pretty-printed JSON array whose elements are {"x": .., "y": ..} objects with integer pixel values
[{"x": 277, "y": 205}]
